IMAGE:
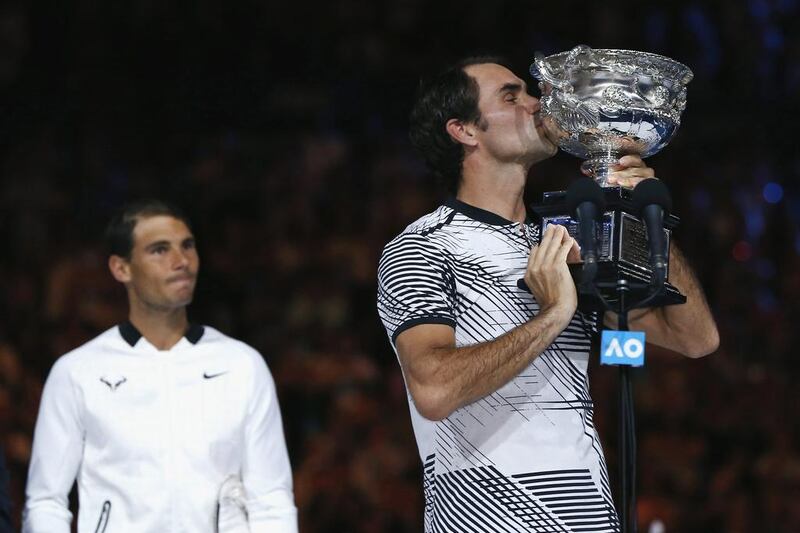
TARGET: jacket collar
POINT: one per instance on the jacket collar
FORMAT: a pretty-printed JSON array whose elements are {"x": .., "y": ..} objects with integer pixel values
[
  {"x": 132, "y": 335},
  {"x": 476, "y": 213}
]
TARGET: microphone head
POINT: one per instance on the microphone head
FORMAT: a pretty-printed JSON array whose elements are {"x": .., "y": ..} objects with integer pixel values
[
  {"x": 649, "y": 192},
  {"x": 585, "y": 190}
]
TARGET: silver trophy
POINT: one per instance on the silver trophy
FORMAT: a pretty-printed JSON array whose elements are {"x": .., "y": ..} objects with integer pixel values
[{"x": 600, "y": 105}]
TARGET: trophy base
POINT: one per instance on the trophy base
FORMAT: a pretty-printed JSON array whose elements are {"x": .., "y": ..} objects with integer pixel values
[
  {"x": 638, "y": 292},
  {"x": 623, "y": 252}
]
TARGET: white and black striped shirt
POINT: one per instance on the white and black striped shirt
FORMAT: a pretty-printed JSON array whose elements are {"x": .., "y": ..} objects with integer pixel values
[{"x": 527, "y": 457}]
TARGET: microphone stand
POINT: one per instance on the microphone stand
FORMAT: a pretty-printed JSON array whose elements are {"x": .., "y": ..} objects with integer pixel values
[
  {"x": 629, "y": 290},
  {"x": 627, "y": 415},
  {"x": 627, "y": 425}
]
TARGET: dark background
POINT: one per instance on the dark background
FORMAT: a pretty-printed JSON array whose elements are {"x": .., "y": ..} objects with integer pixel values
[{"x": 281, "y": 128}]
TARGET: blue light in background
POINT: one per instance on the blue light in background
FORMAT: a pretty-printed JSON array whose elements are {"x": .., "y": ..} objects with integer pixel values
[
  {"x": 772, "y": 192},
  {"x": 753, "y": 210},
  {"x": 705, "y": 33},
  {"x": 701, "y": 200},
  {"x": 766, "y": 300},
  {"x": 760, "y": 10},
  {"x": 773, "y": 38},
  {"x": 656, "y": 29},
  {"x": 765, "y": 269}
]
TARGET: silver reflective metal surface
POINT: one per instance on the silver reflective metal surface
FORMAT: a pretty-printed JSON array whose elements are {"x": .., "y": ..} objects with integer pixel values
[{"x": 602, "y": 104}]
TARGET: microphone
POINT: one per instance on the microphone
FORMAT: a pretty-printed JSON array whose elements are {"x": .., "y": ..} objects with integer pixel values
[
  {"x": 586, "y": 203},
  {"x": 652, "y": 201}
]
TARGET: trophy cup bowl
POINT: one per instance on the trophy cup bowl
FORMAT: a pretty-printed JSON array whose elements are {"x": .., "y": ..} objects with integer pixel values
[{"x": 602, "y": 104}]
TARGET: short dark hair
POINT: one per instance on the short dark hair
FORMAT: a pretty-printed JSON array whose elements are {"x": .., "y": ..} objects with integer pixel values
[
  {"x": 119, "y": 232},
  {"x": 451, "y": 94}
]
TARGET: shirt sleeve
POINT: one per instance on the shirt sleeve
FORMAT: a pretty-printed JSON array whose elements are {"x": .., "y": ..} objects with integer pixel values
[
  {"x": 56, "y": 455},
  {"x": 266, "y": 472},
  {"x": 416, "y": 285}
]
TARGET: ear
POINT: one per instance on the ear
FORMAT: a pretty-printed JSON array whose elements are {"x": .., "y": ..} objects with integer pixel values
[
  {"x": 462, "y": 132},
  {"x": 120, "y": 268}
]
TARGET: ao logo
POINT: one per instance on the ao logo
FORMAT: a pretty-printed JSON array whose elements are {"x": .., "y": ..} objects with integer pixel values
[
  {"x": 622, "y": 348},
  {"x": 633, "y": 348}
]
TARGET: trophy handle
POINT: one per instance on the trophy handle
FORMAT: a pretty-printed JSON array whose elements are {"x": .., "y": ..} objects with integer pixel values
[
  {"x": 540, "y": 70},
  {"x": 574, "y": 53}
]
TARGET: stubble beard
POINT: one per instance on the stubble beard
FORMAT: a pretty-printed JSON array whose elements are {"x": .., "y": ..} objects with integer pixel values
[{"x": 165, "y": 302}]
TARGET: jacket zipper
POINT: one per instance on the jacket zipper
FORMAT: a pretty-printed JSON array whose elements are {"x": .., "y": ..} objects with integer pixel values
[{"x": 102, "y": 523}]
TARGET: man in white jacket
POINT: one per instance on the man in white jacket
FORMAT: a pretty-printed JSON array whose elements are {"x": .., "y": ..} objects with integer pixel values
[{"x": 154, "y": 416}]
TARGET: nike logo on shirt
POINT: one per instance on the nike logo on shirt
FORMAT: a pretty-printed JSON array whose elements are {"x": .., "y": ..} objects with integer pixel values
[{"x": 210, "y": 376}]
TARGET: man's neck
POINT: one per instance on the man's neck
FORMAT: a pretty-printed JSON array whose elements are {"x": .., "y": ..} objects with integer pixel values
[
  {"x": 498, "y": 189},
  {"x": 162, "y": 328}
]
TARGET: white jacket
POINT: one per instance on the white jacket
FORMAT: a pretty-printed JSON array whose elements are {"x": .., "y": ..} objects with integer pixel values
[{"x": 151, "y": 435}]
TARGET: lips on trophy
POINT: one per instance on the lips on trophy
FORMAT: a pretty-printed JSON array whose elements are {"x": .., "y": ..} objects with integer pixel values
[{"x": 599, "y": 105}]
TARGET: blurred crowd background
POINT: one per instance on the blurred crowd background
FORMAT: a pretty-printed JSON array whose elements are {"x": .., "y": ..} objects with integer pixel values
[{"x": 281, "y": 128}]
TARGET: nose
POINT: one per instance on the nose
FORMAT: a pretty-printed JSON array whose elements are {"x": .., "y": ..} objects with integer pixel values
[
  {"x": 532, "y": 104},
  {"x": 180, "y": 260}
]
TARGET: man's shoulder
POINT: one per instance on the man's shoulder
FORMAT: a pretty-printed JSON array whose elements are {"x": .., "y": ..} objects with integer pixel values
[
  {"x": 212, "y": 335},
  {"x": 234, "y": 349},
  {"x": 89, "y": 353},
  {"x": 429, "y": 223},
  {"x": 426, "y": 228},
  {"x": 110, "y": 339}
]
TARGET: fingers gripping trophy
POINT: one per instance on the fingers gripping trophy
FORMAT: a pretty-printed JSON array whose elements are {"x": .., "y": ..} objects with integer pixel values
[{"x": 600, "y": 105}]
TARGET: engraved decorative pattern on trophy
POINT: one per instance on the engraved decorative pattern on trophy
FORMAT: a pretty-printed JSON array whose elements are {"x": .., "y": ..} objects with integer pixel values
[
  {"x": 575, "y": 114},
  {"x": 602, "y": 104},
  {"x": 614, "y": 101}
]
